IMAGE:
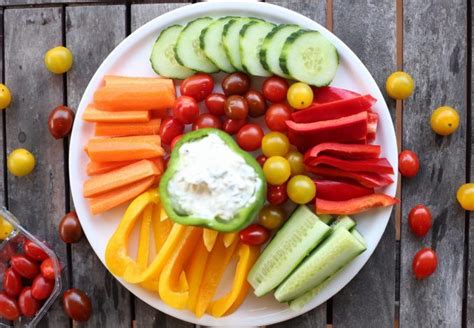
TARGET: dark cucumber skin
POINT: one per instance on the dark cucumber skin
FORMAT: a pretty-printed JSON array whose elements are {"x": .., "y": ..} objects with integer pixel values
[{"x": 263, "y": 50}]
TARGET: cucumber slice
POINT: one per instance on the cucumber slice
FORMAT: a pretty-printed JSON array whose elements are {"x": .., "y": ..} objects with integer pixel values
[
  {"x": 335, "y": 252},
  {"x": 162, "y": 56},
  {"x": 344, "y": 222},
  {"x": 187, "y": 49},
  {"x": 300, "y": 234},
  {"x": 309, "y": 57},
  {"x": 272, "y": 47},
  {"x": 231, "y": 40},
  {"x": 211, "y": 43},
  {"x": 251, "y": 39}
]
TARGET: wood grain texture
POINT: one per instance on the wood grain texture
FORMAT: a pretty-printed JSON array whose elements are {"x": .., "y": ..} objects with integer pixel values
[
  {"x": 38, "y": 200},
  {"x": 91, "y": 35},
  {"x": 2, "y": 149},
  {"x": 368, "y": 300},
  {"x": 145, "y": 315},
  {"x": 435, "y": 55},
  {"x": 40, "y": 2},
  {"x": 316, "y": 10}
]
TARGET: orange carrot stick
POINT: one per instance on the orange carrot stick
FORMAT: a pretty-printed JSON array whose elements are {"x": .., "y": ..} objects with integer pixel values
[
  {"x": 127, "y": 129},
  {"x": 94, "y": 115},
  {"x": 95, "y": 168},
  {"x": 124, "y": 148},
  {"x": 111, "y": 80}
]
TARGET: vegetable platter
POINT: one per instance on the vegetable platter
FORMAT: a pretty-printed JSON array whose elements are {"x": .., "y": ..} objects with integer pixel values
[{"x": 100, "y": 223}]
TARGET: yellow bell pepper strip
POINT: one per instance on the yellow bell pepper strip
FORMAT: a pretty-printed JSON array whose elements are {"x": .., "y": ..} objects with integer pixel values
[
  {"x": 144, "y": 241},
  {"x": 194, "y": 271},
  {"x": 116, "y": 257},
  {"x": 163, "y": 215},
  {"x": 216, "y": 265},
  {"x": 170, "y": 276},
  {"x": 247, "y": 257},
  {"x": 229, "y": 238},
  {"x": 209, "y": 236}
]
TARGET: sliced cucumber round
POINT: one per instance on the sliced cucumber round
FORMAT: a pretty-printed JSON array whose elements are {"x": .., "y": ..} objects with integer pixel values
[
  {"x": 162, "y": 56},
  {"x": 251, "y": 39},
  {"x": 309, "y": 57},
  {"x": 188, "y": 51},
  {"x": 231, "y": 40},
  {"x": 211, "y": 43},
  {"x": 272, "y": 47}
]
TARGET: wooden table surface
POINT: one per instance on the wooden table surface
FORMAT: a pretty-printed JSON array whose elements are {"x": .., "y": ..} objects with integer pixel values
[{"x": 432, "y": 40}]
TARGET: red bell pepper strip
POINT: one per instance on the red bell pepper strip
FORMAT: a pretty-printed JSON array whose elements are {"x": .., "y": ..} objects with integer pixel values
[
  {"x": 370, "y": 137},
  {"x": 333, "y": 110},
  {"x": 301, "y": 142},
  {"x": 354, "y": 205},
  {"x": 373, "y": 165},
  {"x": 346, "y": 151},
  {"x": 340, "y": 190},
  {"x": 370, "y": 180},
  {"x": 328, "y": 94},
  {"x": 372, "y": 122}
]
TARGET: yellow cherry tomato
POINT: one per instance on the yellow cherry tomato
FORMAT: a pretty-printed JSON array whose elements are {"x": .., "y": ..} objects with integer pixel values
[
  {"x": 444, "y": 120},
  {"x": 301, "y": 189},
  {"x": 271, "y": 216},
  {"x": 276, "y": 170},
  {"x": 5, "y": 96},
  {"x": 300, "y": 95},
  {"x": 20, "y": 162},
  {"x": 5, "y": 228},
  {"x": 399, "y": 85},
  {"x": 465, "y": 196},
  {"x": 58, "y": 60},
  {"x": 275, "y": 144},
  {"x": 295, "y": 158}
]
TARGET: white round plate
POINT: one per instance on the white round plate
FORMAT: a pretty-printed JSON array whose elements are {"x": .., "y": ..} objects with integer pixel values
[{"x": 131, "y": 57}]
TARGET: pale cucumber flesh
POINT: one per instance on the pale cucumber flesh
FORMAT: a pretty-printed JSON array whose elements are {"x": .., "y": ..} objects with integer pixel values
[{"x": 252, "y": 35}]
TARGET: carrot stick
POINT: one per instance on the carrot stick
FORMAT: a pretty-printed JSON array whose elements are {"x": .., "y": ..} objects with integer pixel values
[
  {"x": 94, "y": 115},
  {"x": 120, "y": 177},
  {"x": 116, "y": 197},
  {"x": 127, "y": 129},
  {"x": 94, "y": 168},
  {"x": 111, "y": 80},
  {"x": 124, "y": 148}
]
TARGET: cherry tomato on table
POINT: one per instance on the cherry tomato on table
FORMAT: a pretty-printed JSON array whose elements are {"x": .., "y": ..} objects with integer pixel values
[
  {"x": 58, "y": 60},
  {"x": 275, "y": 144},
  {"x": 186, "y": 109},
  {"x": 295, "y": 158},
  {"x": 24, "y": 266},
  {"x": 399, "y": 85},
  {"x": 275, "y": 89},
  {"x": 271, "y": 217},
  {"x": 215, "y": 103},
  {"x": 408, "y": 163},
  {"x": 60, "y": 121},
  {"x": 420, "y": 220},
  {"x": 465, "y": 196},
  {"x": 250, "y": 137},
  {"x": 236, "y": 107},
  {"x": 254, "y": 235},
  {"x": 20, "y": 162},
  {"x": 276, "y": 195},
  {"x": 47, "y": 269},
  {"x": 444, "y": 120},
  {"x": 33, "y": 251},
  {"x": 207, "y": 121},
  {"x": 8, "y": 307},
  {"x": 12, "y": 284},
  {"x": 276, "y": 116},
  {"x": 170, "y": 128},
  {"x": 301, "y": 189},
  {"x": 197, "y": 86},
  {"x": 261, "y": 159},
  {"x": 424, "y": 263},
  {"x": 28, "y": 305},
  {"x": 175, "y": 140},
  {"x": 236, "y": 84},
  {"x": 233, "y": 126},
  {"x": 41, "y": 287},
  {"x": 276, "y": 170},
  {"x": 70, "y": 229},
  {"x": 256, "y": 103},
  {"x": 300, "y": 95},
  {"x": 77, "y": 304},
  {"x": 5, "y": 96}
]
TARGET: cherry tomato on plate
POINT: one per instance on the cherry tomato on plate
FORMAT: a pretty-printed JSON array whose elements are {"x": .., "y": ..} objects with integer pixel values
[
  {"x": 70, "y": 229},
  {"x": 207, "y": 121},
  {"x": 33, "y": 251},
  {"x": 215, "y": 103},
  {"x": 300, "y": 95},
  {"x": 276, "y": 195},
  {"x": 20, "y": 162},
  {"x": 408, "y": 163},
  {"x": 301, "y": 189},
  {"x": 271, "y": 217},
  {"x": 170, "y": 128},
  {"x": 295, "y": 158},
  {"x": 233, "y": 126},
  {"x": 444, "y": 120},
  {"x": 465, "y": 196},
  {"x": 425, "y": 263},
  {"x": 256, "y": 103},
  {"x": 47, "y": 269},
  {"x": 175, "y": 140},
  {"x": 77, "y": 304},
  {"x": 28, "y": 305},
  {"x": 236, "y": 84},
  {"x": 5, "y": 228},
  {"x": 276, "y": 116},
  {"x": 8, "y": 307},
  {"x": 250, "y": 137},
  {"x": 254, "y": 235},
  {"x": 58, "y": 60},
  {"x": 12, "y": 283},
  {"x": 399, "y": 85},
  {"x": 261, "y": 159},
  {"x": 420, "y": 220},
  {"x": 186, "y": 109},
  {"x": 275, "y": 144},
  {"x": 5, "y": 96},
  {"x": 60, "y": 121},
  {"x": 236, "y": 107},
  {"x": 197, "y": 86},
  {"x": 275, "y": 89},
  {"x": 41, "y": 287},
  {"x": 276, "y": 170},
  {"x": 24, "y": 266}
]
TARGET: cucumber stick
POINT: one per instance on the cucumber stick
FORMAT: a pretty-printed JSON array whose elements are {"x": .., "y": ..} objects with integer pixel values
[
  {"x": 252, "y": 35},
  {"x": 301, "y": 233},
  {"x": 336, "y": 251},
  {"x": 343, "y": 221}
]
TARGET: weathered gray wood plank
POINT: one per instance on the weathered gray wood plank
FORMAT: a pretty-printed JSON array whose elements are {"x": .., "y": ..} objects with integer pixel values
[
  {"x": 91, "y": 33},
  {"x": 435, "y": 55},
  {"x": 316, "y": 10},
  {"x": 39, "y": 2},
  {"x": 2, "y": 149},
  {"x": 37, "y": 199},
  {"x": 369, "y": 299}
]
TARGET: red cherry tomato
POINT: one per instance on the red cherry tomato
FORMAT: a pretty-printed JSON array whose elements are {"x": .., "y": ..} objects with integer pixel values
[
  {"x": 215, "y": 103},
  {"x": 275, "y": 89},
  {"x": 47, "y": 269},
  {"x": 408, "y": 163},
  {"x": 175, "y": 140},
  {"x": 236, "y": 84},
  {"x": 250, "y": 137},
  {"x": 170, "y": 128},
  {"x": 420, "y": 220},
  {"x": 198, "y": 86},
  {"x": 28, "y": 305},
  {"x": 207, "y": 121},
  {"x": 33, "y": 251},
  {"x": 41, "y": 287},
  {"x": 276, "y": 116},
  {"x": 277, "y": 195},
  {"x": 12, "y": 284},
  {"x": 8, "y": 307},
  {"x": 424, "y": 263},
  {"x": 256, "y": 103},
  {"x": 236, "y": 107},
  {"x": 261, "y": 159},
  {"x": 186, "y": 109},
  {"x": 77, "y": 304},
  {"x": 24, "y": 266},
  {"x": 70, "y": 229},
  {"x": 60, "y": 121},
  {"x": 254, "y": 235},
  {"x": 233, "y": 126}
]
